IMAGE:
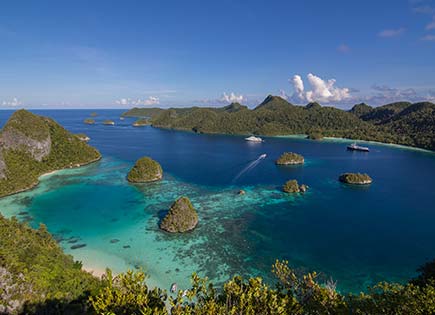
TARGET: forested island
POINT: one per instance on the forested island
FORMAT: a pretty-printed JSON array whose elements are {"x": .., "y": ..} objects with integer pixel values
[
  {"x": 401, "y": 123},
  {"x": 40, "y": 279},
  {"x": 31, "y": 145}
]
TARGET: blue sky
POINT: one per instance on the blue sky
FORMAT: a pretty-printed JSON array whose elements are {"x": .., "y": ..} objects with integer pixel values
[{"x": 68, "y": 54}]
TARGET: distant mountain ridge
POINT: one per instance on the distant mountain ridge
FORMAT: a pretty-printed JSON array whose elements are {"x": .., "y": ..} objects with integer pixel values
[{"x": 401, "y": 122}]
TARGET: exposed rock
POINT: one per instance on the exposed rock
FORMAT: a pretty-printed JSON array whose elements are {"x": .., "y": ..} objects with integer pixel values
[
  {"x": 182, "y": 217},
  {"x": 27, "y": 132},
  {"x": 145, "y": 170},
  {"x": 355, "y": 178},
  {"x": 141, "y": 122},
  {"x": 109, "y": 122},
  {"x": 290, "y": 158},
  {"x": 89, "y": 121},
  {"x": 292, "y": 186},
  {"x": 303, "y": 188}
]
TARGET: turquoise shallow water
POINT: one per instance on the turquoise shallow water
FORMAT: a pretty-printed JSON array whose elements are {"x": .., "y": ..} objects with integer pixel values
[{"x": 357, "y": 236}]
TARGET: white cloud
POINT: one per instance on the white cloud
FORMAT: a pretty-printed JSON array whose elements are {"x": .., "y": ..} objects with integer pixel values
[
  {"x": 231, "y": 98},
  {"x": 429, "y": 38},
  {"x": 321, "y": 90},
  {"x": 152, "y": 100},
  {"x": 391, "y": 32},
  {"x": 14, "y": 102}
]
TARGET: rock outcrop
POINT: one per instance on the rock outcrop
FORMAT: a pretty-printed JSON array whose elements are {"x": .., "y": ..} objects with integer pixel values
[
  {"x": 290, "y": 158},
  {"x": 355, "y": 179},
  {"x": 182, "y": 217},
  {"x": 145, "y": 170},
  {"x": 292, "y": 186}
]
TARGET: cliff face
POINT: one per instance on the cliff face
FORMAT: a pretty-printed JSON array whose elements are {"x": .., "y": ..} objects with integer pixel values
[{"x": 31, "y": 145}]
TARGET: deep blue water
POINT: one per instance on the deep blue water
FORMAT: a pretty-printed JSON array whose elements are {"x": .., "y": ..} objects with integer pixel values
[{"x": 356, "y": 235}]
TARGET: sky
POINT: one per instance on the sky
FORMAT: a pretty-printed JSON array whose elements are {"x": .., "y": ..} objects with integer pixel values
[{"x": 120, "y": 54}]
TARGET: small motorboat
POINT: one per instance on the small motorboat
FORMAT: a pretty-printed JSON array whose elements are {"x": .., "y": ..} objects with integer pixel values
[
  {"x": 254, "y": 139},
  {"x": 263, "y": 156},
  {"x": 173, "y": 287},
  {"x": 355, "y": 147}
]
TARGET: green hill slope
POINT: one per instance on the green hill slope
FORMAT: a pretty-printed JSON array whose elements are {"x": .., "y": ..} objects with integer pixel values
[{"x": 31, "y": 145}]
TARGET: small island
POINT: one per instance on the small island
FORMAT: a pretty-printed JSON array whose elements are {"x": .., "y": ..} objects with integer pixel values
[
  {"x": 145, "y": 170},
  {"x": 355, "y": 179},
  {"x": 141, "y": 122},
  {"x": 182, "y": 217},
  {"x": 109, "y": 122},
  {"x": 94, "y": 114},
  {"x": 290, "y": 158},
  {"x": 89, "y": 121},
  {"x": 292, "y": 186}
]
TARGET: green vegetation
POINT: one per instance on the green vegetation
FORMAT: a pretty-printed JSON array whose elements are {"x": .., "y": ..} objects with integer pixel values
[
  {"x": 401, "y": 123},
  {"x": 290, "y": 158},
  {"x": 291, "y": 186},
  {"x": 108, "y": 122},
  {"x": 25, "y": 154},
  {"x": 142, "y": 112},
  {"x": 141, "y": 122},
  {"x": 94, "y": 114},
  {"x": 315, "y": 135},
  {"x": 36, "y": 277},
  {"x": 182, "y": 217},
  {"x": 34, "y": 271},
  {"x": 145, "y": 170},
  {"x": 355, "y": 178},
  {"x": 89, "y": 121}
]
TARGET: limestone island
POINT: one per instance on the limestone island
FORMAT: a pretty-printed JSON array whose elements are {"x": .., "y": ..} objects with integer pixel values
[
  {"x": 141, "y": 122},
  {"x": 355, "y": 179},
  {"x": 109, "y": 122},
  {"x": 145, "y": 170},
  {"x": 32, "y": 145},
  {"x": 89, "y": 121},
  {"x": 83, "y": 137},
  {"x": 290, "y": 158},
  {"x": 182, "y": 217},
  {"x": 94, "y": 114},
  {"x": 292, "y": 186}
]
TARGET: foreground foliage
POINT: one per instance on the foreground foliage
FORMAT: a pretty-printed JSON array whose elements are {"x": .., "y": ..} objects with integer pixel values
[
  {"x": 34, "y": 270},
  {"x": 36, "y": 277}
]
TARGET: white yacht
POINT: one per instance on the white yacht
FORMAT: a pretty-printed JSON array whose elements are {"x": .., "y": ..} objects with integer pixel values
[{"x": 254, "y": 139}]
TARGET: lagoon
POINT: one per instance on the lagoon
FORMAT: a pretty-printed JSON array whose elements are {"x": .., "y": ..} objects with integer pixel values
[{"x": 357, "y": 236}]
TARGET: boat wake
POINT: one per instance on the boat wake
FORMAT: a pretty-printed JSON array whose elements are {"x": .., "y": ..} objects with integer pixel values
[{"x": 249, "y": 167}]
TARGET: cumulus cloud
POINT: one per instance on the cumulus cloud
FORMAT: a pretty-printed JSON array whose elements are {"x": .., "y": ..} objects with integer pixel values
[
  {"x": 231, "y": 98},
  {"x": 321, "y": 90},
  {"x": 391, "y": 32},
  {"x": 384, "y": 94},
  {"x": 152, "y": 100},
  {"x": 14, "y": 102}
]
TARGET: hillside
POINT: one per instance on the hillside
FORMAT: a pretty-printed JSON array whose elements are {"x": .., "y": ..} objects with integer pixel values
[
  {"x": 31, "y": 145},
  {"x": 401, "y": 123},
  {"x": 39, "y": 272}
]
